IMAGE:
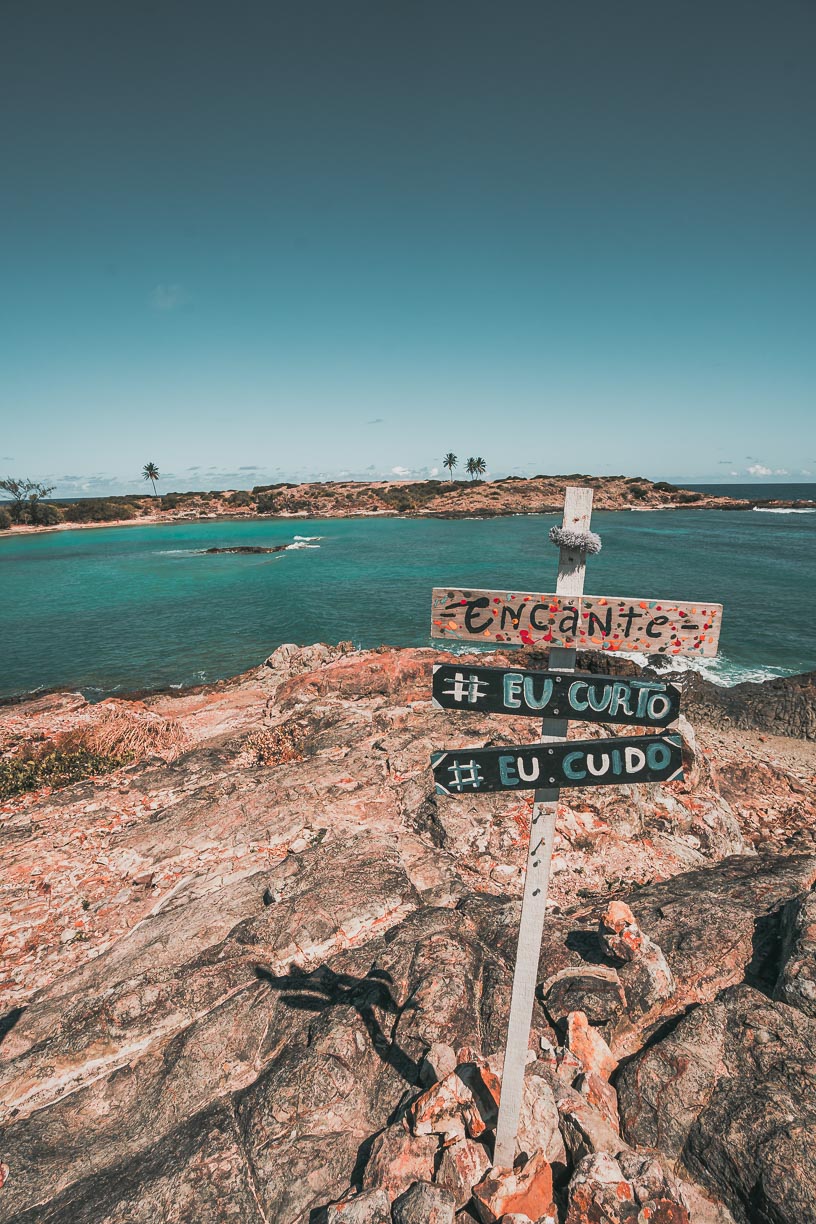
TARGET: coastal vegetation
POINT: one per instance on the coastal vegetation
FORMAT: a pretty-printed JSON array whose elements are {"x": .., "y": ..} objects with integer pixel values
[
  {"x": 99, "y": 510},
  {"x": 115, "y": 736},
  {"x": 445, "y": 498},
  {"x": 54, "y": 767},
  {"x": 26, "y": 503}
]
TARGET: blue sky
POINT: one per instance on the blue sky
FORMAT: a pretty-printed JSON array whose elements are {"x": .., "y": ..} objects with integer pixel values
[{"x": 274, "y": 241}]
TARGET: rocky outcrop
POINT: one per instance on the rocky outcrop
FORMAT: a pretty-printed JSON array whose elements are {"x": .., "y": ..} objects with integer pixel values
[
  {"x": 292, "y": 1022},
  {"x": 797, "y": 979},
  {"x": 783, "y": 706},
  {"x": 731, "y": 1093},
  {"x": 626, "y": 1190},
  {"x": 711, "y": 928},
  {"x": 271, "y": 976}
]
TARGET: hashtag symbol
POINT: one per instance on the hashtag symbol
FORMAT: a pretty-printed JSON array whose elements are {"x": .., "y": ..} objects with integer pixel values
[
  {"x": 471, "y": 688},
  {"x": 467, "y": 774}
]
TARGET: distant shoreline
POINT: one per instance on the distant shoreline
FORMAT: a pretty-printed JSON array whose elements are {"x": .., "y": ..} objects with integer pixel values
[{"x": 394, "y": 499}]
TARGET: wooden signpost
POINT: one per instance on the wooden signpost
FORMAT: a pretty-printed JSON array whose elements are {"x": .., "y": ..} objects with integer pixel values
[{"x": 562, "y": 621}]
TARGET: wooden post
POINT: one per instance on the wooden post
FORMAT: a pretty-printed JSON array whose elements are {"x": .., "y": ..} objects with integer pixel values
[{"x": 571, "y": 570}]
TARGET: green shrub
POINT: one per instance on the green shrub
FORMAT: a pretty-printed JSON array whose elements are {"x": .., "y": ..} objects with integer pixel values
[
  {"x": 241, "y": 498},
  {"x": 638, "y": 492},
  {"x": 43, "y": 514},
  {"x": 266, "y": 504},
  {"x": 98, "y": 510},
  {"x": 665, "y": 487},
  {"x": 685, "y": 498},
  {"x": 56, "y": 767},
  {"x": 5, "y": 519}
]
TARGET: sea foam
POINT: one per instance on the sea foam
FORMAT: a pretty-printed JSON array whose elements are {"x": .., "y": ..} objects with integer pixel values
[
  {"x": 720, "y": 670},
  {"x": 784, "y": 510}
]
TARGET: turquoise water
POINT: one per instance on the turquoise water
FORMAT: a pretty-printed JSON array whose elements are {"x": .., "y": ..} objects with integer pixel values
[{"x": 114, "y": 609}]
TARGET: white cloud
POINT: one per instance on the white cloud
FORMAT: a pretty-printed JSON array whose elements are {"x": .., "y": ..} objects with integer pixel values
[
  {"x": 401, "y": 471},
  {"x": 759, "y": 469},
  {"x": 781, "y": 472},
  {"x": 169, "y": 297},
  {"x": 434, "y": 471}
]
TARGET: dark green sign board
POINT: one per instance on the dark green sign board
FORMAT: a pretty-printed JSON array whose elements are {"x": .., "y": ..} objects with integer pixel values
[
  {"x": 538, "y": 694},
  {"x": 605, "y": 762}
]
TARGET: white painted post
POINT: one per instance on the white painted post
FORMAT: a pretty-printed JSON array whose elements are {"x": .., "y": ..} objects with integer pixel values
[{"x": 571, "y": 569}]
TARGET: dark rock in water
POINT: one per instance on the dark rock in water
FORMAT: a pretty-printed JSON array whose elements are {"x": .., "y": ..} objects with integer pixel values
[
  {"x": 248, "y": 548},
  {"x": 732, "y": 1092}
]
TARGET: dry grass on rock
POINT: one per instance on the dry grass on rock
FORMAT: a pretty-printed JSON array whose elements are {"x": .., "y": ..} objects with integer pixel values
[
  {"x": 124, "y": 732},
  {"x": 272, "y": 746},
  {"x": 112, "y": 737}
]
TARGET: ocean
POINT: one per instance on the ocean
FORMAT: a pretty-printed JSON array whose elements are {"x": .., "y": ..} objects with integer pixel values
[
  {"x": 117, "y": 609},
  {"x": 772, "y": 491}
]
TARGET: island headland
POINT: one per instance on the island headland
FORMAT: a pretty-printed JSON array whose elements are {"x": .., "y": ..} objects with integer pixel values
[{"x": 427, "y": 498}]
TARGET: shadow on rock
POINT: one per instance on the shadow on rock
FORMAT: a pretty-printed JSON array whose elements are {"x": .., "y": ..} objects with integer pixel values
[{"x": 324, "y": 988}]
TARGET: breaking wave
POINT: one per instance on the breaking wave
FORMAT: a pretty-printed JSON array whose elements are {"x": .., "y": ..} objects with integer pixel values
[
  {"x": 784, "y": 510},
  {"x": 720, "y": 670}
]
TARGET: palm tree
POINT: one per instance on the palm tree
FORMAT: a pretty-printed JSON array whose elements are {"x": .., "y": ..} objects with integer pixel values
[
  {"x": 450, "y": 462},
  {"x": 479, "y": 466},
  {"x": 470, "y": 468},
  {"x": 151, "y": 472}
]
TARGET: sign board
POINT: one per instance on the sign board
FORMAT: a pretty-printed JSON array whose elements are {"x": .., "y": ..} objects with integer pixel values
[
  {"x": 605, "y": 762},
  {"x": 537, "y": 694},
  {"x": 562, "y": 622},
  {"x": 599, "y": 622}
]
